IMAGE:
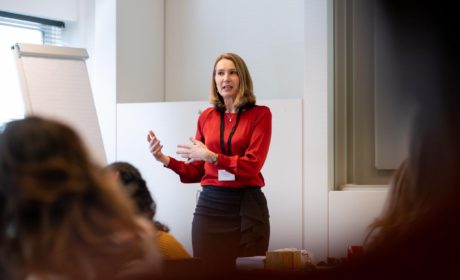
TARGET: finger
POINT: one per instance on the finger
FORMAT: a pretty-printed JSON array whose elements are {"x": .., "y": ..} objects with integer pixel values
[
  {"x": 153, "y": 143},
  {"x": 193, "y": 140},
  {"x": 198, "y": 142},
  {"x": 157, "y": 149},
  {"x": 150, "y": 135},
  {"x": 152, "y": 140},
  {"x": 183, "y": 152},
  {"x": 183, "y": 146},
  {"x": 153, "y": 150}
]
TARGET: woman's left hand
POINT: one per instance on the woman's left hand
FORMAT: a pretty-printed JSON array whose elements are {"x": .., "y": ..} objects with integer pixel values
[{"x": 194, "y": 152}]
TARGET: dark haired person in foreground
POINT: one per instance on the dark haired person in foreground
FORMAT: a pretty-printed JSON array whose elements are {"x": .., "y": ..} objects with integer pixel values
[{"x": 61, "y": 218}]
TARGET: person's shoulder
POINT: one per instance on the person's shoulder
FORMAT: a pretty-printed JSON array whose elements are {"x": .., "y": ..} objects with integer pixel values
[
  {"x": 163, "y": 235},
  {"x": 206, "y": 114},
  {"x": 260, "y": 110},
  {"x": 208, "y": 111},
  {"x": 165, "y": 239}
]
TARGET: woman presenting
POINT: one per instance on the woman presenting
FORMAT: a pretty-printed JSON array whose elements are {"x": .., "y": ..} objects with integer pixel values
[{"x": 226, "y": 156}]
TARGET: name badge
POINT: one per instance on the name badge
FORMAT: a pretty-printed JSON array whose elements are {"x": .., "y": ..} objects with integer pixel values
[{"x": 224, "y": 175}]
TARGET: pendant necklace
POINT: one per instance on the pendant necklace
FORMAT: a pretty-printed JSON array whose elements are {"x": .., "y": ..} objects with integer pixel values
[{"x": 229, "y": 117}]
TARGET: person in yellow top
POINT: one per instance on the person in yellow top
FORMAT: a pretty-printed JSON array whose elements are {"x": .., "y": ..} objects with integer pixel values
[
  {"x": 170, "y": 248},
  {"x": 130, "y": 178}
]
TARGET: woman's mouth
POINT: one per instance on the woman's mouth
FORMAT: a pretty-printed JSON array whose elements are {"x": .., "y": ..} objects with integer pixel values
[{"x": 227, "y": 87}]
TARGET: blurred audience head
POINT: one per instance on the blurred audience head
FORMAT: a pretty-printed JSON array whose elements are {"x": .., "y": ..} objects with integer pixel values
[{"x": 57, "y": 206}]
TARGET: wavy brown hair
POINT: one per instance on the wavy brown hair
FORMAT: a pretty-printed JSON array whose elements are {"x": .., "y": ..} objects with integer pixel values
[
  {"x": 402, "y": 208},
  {"x": 57, "y": 206},
  {"x": 245, "y": 97}
]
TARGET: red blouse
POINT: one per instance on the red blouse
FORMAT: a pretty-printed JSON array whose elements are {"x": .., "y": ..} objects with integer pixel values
[{"x": 249, "y": 146}]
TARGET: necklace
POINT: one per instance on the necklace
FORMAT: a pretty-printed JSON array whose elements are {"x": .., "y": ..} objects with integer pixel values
[{"x": 229, "y": 116}]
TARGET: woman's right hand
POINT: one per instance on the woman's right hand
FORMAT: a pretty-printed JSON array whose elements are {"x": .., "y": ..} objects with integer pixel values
[{"x": 156, "y": 148}]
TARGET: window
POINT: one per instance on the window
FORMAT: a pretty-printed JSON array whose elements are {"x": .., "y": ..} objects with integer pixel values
[
  {"x": 356, "y": 141},
  {"x": 14, "y": 29}
]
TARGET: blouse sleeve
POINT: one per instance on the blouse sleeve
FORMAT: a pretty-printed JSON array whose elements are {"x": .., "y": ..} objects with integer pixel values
[{"x": 188, "y": 172}]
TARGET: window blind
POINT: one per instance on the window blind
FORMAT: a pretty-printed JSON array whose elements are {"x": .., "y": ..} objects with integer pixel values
[{"x": 51, "y": 29}]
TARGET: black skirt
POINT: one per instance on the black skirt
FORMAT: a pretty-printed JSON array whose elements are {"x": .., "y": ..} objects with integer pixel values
[{"x": 228, "y": 223}]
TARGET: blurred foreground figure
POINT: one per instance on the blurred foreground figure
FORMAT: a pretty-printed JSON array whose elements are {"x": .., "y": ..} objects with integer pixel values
[
  {"x": 418, "y": 233},
  {"x": 60, "y": 217}
]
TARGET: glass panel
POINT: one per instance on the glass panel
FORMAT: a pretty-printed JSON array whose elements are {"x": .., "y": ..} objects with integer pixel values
[{"x": 11, "y": 101}]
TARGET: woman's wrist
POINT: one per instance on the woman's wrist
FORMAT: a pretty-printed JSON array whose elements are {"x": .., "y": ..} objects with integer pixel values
[
  {"x": 213, "y": 157},
  {"x": 164, "y": 159}
]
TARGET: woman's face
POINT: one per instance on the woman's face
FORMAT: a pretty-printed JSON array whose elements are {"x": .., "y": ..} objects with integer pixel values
[{"x": 227, "y": 79}]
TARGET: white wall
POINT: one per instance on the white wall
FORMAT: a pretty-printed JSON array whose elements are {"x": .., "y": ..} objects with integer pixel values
[
  {"x": 268, "y": 34},
  {"x": 140, "y": 51},
  {"x": 63, "y": 10},
  {"x": 103, "y": 74},
  {"x": 350, "y": 213},
  {"x": 317, "y": 151}
]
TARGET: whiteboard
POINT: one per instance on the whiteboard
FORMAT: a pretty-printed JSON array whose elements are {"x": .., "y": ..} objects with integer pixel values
[
  {"x": 173, "y": 123},
  {"x": 55, "y": 84}
]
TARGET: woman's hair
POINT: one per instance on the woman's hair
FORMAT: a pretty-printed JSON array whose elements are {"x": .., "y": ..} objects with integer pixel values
[
  {"x": 245, "y": 97},
  {"x": 424, "y": 189},
  {"x": 400, "y": 209},
  {"x": 59, "y": 214},
  {"x": 132, "y": 180}
]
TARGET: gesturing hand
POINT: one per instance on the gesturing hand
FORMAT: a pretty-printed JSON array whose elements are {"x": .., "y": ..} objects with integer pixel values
[
  {"x": 194, "y": 152},
  {"x": 156, "y": 148}
]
